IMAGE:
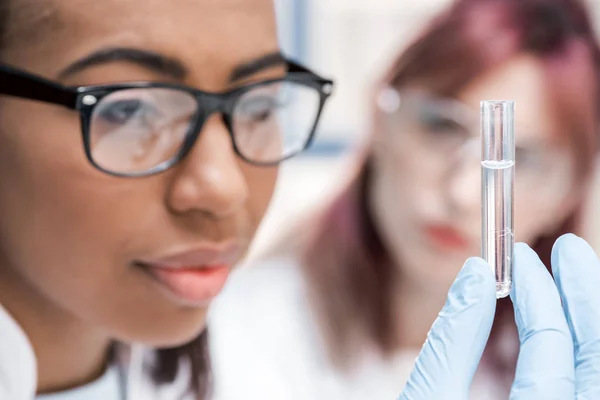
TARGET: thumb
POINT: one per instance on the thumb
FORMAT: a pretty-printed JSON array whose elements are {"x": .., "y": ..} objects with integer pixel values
[{"x": 455, "y": 343}]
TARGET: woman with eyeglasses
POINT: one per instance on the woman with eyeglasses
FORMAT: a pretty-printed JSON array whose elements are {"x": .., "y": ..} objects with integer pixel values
[
  {"x": 359, "y": 283},
  {"x": 139, "y": 144},
  {"x": 138, "y": 151}
]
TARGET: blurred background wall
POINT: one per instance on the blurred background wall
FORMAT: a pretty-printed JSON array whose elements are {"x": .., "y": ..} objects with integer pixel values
[{"x": 351, "y": 41}]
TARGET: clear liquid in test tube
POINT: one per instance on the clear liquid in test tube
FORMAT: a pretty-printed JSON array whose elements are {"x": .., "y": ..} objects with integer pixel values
[{"x": 497, "y": 190}]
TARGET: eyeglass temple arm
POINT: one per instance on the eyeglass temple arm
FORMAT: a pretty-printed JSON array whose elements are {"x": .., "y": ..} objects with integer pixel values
[
  {"x": 297, "y": 68},
  {"x": 21, "y": 84}
]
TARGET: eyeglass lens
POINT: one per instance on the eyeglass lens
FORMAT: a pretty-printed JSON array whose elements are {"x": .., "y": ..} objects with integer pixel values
[{"x": 136, "y": 130}]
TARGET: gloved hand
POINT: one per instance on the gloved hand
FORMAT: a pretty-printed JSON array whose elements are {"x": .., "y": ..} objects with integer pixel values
[{"x": 559, "y": 355}]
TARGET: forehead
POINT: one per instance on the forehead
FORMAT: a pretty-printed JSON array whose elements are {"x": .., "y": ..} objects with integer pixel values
[
  {"x": 524, "y": 81},
  {"x": 202, "y": 31}
]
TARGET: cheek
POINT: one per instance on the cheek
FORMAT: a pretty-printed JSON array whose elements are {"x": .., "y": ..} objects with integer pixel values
[
  {"x": 56, "y": 216},
  {"x": 37, "y": 164},
  {"x": 261, "y": 185},
  {"x": 411, "y": 182},
  {"x": 531, "y": 222},
  {"x": 399, "y": 194},
  {"x": 542, "y": 199},
  {"x": 70, "y": 233},
  {"x": 536, "y": 213},
  {"x": 394, "y": 181},
  {"x": 51, "y": 195}
]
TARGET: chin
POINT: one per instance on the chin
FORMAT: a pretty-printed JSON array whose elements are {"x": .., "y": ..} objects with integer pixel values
[
  {"x": 167, "y": 331},
  {"x": 435, "y": 270}
]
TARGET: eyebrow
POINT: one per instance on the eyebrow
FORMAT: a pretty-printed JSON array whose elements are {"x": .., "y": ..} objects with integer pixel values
[
  {"x": 167, "y": 66},
  {"x": 260, "y": 64},
  {"x": 147, "y": 59}
]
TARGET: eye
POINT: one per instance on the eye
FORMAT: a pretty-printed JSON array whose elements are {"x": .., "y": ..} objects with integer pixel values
[
  {"x": 440, "y": 124},
  {"x": 436, "y": 123},
  {"x": 121, "y": 112},
  {"x": 259, "y": 108}
]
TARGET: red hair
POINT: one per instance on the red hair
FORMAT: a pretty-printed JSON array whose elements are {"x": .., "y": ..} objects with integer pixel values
[{"x": 471, "y": 37}]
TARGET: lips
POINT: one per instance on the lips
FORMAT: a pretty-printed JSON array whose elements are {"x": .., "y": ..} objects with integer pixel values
[
  {"x": 446, "y": 237},
  {"x": 193, "y": 286},
  {"x": 194, "y": 276}
]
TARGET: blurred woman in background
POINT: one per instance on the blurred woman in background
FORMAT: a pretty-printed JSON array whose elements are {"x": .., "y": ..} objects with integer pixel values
[{"x": 341, "y": 307}]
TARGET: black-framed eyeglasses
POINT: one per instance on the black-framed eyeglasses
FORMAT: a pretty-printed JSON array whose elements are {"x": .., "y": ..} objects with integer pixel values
[{"x": 142, "y": 128}]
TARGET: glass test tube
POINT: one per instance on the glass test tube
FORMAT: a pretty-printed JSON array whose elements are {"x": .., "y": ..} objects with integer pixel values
[{"x": 497, "y": 179}]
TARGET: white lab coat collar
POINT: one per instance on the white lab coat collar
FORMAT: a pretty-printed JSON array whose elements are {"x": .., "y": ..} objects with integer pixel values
[{"x": 18, "y": 368}]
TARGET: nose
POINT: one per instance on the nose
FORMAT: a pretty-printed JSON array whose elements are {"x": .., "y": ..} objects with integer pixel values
[
  {"x": 463, "y": 185},
  {"x": 209, "y": 179}
]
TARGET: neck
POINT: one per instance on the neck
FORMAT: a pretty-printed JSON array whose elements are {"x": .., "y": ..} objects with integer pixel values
[
  {"x": 68, "y": 351},
  {"x": 417, "y": 306}
]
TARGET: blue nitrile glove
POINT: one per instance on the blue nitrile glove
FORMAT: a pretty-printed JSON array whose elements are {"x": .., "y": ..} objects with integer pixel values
[
  {"x": 560, "y": 343},
  {"x": 455, "y": 343},
  {"x": 545, "y": 368},
  {"x": 576, "y": 270},
  {"x": 559, "y": 355}
]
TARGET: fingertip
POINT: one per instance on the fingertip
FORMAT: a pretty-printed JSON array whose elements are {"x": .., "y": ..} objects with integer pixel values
[
  {"x": 536, "y": 299},
  {"x": 571, "y": 250},
  {"x": 479, "y": 268},
  {"x": 569, "y": 242},
  {"x": 576, "y": 270},
  {"x": 475, "y": 282},
  {"x": 485, "y": 279},
  {"x": 566, "y": 239},
  {"x": 528, "y": 270},
  {"x": 522, "y": 247},
  {"x": 523, "y": 253}
]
